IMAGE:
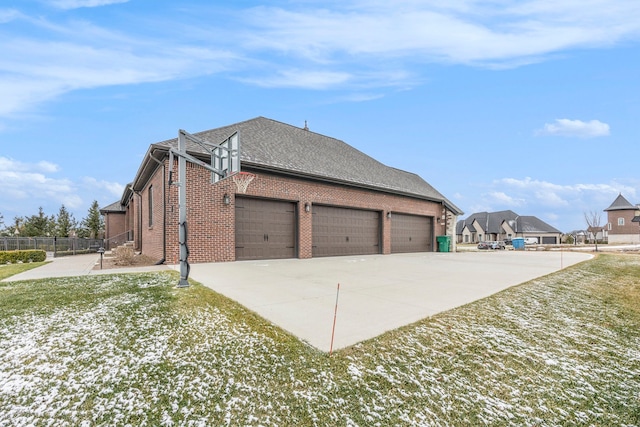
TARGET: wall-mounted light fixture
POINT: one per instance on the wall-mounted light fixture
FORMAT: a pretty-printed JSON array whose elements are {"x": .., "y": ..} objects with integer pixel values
[
  {"x": 389, "y": 215},
  {"x": 307, "y": 207},
  {"x": 226, "y": 199}
]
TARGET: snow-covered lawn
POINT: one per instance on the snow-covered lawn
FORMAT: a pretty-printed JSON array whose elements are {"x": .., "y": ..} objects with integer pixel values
[{"x": 134, "y": 350}]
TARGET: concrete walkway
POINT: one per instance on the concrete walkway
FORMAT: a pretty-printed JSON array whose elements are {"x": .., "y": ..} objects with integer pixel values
[
  {"x": 76, "y": 265},
  {"x": 378, "y": 293}
]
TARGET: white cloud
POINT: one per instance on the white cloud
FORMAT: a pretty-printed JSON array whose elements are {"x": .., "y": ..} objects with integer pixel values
[
  {"x": 75, "y": 4},
  {"x": 309, "y": 79},
  {"x": 504, "y": 199},
  {"x": 563, "y": 205},
  {"x": 544, "y": 193},
  {"x": 114, "y": 188},
  {"x": 30, "y": 185},
  {"x": 576, "y": 128},
  {"x": 78, "y": 55},
  {"x": 8, "y": 15},
  {"x": 470, "y": 32},
  {"x": 30, "y": 181},
  {"x": 355, "y": 45}
]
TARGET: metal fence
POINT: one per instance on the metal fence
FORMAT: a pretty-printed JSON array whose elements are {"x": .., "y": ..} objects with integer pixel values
[
  {"x": 57, "y": 245},
  {"x": 115, "y": 241}
]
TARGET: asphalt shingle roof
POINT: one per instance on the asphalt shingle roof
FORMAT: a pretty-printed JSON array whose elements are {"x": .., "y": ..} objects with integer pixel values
[
  {"x": 491, "y": 222},
  {"x": 620, "y": 204},
  {"x": 266, "y": 143},
  {"x": 113, "y": 207}
]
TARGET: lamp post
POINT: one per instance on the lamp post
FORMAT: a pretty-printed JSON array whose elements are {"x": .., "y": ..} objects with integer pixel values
[{"x": 101, "y": 252}]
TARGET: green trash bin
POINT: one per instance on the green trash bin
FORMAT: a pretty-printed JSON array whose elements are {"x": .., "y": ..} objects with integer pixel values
[{"x": 444, "y": 243}]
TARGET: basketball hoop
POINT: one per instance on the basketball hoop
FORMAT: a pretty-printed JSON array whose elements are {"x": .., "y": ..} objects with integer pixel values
[{"x": 242, "y": 180}]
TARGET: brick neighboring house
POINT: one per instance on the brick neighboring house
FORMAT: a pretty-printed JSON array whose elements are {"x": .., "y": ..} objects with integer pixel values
[
  {"x": 494, "y": 226},
  {"x": 623, "y": 220},
  {"x": 115, "y": 225},
  {"x": 312, "y": 195}
]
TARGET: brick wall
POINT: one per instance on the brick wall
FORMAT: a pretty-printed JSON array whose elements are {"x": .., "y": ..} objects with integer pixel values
[
  {"x": 114, "y": 228},
  {"x": 211, "y": 223},
  {"x": 153, "y": 233},
  {"x": 628, "y": 227},
  {"x": 627, "y": 233}
]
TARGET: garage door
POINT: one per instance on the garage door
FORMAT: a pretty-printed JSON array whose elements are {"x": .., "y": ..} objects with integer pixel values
[
  {"x": 344, "y": 231},
  {"x": 548, "y": 240},
  {"x": 265, "y": 229},
  {"x": 411, "y": 233}
]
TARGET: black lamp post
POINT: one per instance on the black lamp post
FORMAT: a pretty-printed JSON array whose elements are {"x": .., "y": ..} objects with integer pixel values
[{"x": 101, "y": 252}]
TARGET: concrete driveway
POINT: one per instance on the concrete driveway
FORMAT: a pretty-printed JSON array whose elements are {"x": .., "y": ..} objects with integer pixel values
[{"x": 378, "y": 293}]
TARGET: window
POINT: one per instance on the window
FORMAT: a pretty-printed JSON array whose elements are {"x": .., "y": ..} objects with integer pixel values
[
  {"x": 609, "y": 226},
  {"x": 466, "y": 238},
  {"x": 620, "y": 221},
  {"x": 150, "y": 205}
]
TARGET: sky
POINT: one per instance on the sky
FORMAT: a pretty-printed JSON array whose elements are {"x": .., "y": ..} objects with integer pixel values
[{"x": 532, "y": 106}]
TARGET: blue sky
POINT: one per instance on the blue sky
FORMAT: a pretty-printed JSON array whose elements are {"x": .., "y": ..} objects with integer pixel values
[{"x": 532, "y": 106}]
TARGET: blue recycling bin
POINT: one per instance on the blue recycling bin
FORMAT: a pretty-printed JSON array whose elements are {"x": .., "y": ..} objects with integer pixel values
[{"x": 518, "y": 243}]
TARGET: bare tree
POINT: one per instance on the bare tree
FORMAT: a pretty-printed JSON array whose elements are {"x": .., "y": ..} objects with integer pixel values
[{"x": 593, "y": 221}]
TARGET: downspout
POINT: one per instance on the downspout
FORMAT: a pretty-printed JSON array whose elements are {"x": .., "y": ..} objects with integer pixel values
[
  {"x": 139, "y": 216},
  {"x": 164, "y": 211}
]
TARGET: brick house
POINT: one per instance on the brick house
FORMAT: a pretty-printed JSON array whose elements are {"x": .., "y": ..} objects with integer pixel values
[
  {"x": 311, "y": 196},
  {"x": 494, "y": 226},
  {"x": 623, "y": 220},
  {"x": 115, "y": 225}
]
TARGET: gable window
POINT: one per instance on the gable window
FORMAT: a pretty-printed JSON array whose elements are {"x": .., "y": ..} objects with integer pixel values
[
  {"x": 620, "y": 221},
  {"x": 150, "y": 205}
]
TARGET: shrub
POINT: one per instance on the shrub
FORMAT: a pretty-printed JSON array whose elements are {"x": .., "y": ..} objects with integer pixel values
[
  {"x": 14, "y": 257},
  {"x": 124, "y": 255}
]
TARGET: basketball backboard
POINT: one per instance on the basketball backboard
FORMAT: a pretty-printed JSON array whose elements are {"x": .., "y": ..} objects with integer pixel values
[{"x": 225, "y": 157}]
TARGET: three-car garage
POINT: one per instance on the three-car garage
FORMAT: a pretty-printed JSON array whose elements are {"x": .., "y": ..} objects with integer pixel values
[{"x": 268, "y": 229}]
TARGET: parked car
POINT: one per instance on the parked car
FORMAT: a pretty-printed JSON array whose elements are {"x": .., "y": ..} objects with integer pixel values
[
  {"x": 531, "y": 241},
  {"x": 497, "y": 245},
  {"x": 491, "y": 245}
]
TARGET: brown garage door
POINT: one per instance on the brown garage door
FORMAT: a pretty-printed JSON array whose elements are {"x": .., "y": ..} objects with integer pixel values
[
  {"x": 265, "y": 229},
  {"x": 411, "y": 233},
  {"x": 344, "y": 231}
]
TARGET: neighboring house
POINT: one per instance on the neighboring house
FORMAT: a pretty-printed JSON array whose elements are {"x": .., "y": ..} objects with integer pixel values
[
  {"x": 311, "y": 196},
  {"x": 579, "y": 236},
  {"x": 623, "y": 221},
  {"x": 115, "y": 225},
  {"x": 492, "y": 226}
]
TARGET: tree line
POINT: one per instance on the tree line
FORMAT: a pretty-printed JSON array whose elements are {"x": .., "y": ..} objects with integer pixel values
[{"x": 61, "y": 225}]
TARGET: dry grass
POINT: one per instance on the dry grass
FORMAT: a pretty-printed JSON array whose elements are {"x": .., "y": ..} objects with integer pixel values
[{"x": 134, "y": 350}]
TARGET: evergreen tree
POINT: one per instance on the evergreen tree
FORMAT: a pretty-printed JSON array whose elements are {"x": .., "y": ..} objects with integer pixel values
[
  {"x": 93, "y": 224},
  {"x": 17, "y": 227},
  {"x": 65, "y": 223},
  {"x": 38, "y": 225}
]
